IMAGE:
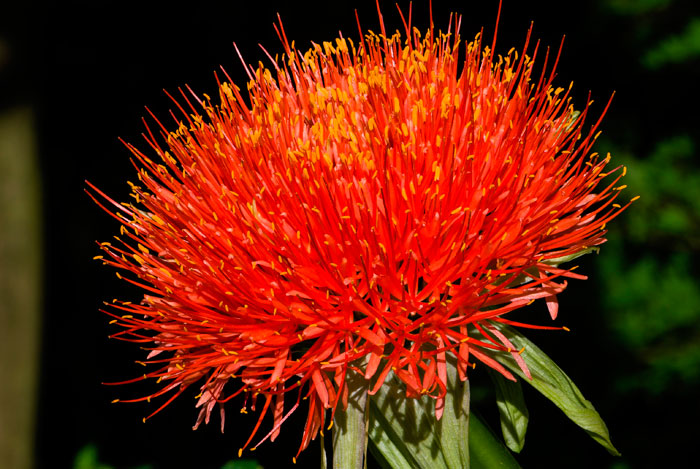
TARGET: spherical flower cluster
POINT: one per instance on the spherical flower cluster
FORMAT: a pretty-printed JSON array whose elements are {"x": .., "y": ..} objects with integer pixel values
[{"x": 362, "y": 208}]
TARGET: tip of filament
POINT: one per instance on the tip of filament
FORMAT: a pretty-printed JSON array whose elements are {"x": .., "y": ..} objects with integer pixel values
[{"x": 566, "y": 329}]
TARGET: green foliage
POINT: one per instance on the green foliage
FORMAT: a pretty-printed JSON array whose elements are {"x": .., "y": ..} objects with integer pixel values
[
  {"x": 648, "y": 270},
  {"x": 654, "y": 307},
  {"x": 485, "y": 450},
  {"x": 242, "y": 464},
  {"x": 620, "y": 465},
  {"x": 350, "y": 425},
  {"x": 552, "y": 383},
  {"x": 87, "y": 459},
  {"x": 512, "y": 409},
  {"x": 669, "y": 209},
  {"x": 652, "y": 299},
  {"x": 636, "y": 7},
  {"x": 675, "y": 49},
  {"x": 404, "y": 433}
]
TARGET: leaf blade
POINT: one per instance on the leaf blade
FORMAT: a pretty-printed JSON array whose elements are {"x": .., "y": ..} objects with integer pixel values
[
  {"x": 405, "y": 435},
  {"x": 555, "y": 385},
  {"x": 486, "y": 451},
  {"x": 512, "y": 410}
]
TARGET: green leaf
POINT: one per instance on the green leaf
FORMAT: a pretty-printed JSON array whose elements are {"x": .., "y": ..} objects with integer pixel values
[
  {"x": 561, "y": 260},
  {"x": 534, "y": 272},
  {"x": 555, "y": 385},
  {"x": 453, "y": 427},
  {"x": 486, "y": 451},
  {"x": 350, "y": 426},
  {"x": 242, "y": 464},
  {"x": 678, "y": 48},
  {"x": 404, "y": 433},
  {"x": 87, "y": 458},
  {"x": 512, "y": 409}
]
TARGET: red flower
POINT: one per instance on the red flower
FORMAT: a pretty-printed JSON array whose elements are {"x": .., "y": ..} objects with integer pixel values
[{"x": 371, "y": 203}]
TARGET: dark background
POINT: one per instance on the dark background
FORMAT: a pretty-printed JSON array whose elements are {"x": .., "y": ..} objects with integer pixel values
[{"x": 87, "y": 69}]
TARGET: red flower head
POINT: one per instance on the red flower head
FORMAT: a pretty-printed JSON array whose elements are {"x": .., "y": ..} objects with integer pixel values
[{"x": 363, "y": 208}]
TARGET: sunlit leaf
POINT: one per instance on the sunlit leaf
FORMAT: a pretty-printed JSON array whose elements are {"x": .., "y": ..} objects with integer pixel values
[
  {"x": 350, "y": 426},
  {"x": 405, "y": 434}
]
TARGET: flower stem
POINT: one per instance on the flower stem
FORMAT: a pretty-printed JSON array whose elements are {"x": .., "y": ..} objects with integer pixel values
[{"x": 350, "y": 426}]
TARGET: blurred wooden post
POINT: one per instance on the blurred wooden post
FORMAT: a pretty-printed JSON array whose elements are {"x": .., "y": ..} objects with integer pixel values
[{"x": 20, "y": 287}]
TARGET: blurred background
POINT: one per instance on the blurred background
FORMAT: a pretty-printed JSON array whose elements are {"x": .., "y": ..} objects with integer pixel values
[{"x": 76, "y": 75}]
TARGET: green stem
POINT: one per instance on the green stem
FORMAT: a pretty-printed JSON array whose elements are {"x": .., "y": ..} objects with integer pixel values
[{"x": 350, "y": 426}]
